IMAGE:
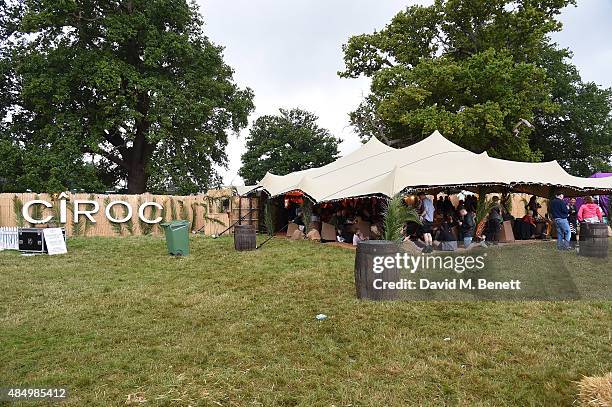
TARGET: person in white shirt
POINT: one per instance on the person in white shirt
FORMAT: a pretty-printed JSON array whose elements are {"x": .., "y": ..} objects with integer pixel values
[
  {"x": 358, "y": 237},
  {"x": 427, "y": 217}
]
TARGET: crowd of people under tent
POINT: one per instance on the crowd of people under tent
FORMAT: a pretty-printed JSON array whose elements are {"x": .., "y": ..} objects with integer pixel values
[{"x": 447, "y": 226}]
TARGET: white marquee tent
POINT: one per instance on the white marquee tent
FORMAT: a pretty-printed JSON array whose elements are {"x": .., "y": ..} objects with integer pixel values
[{"x": 433, "y": 164}]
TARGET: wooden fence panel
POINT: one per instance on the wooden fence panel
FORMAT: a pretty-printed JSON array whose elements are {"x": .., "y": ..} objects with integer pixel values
[{"x": 202, "y": 211}]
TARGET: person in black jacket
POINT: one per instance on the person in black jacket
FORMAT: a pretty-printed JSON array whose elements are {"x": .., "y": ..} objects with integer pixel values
[
  {"x": 449, "y": 208},
  {"x": 495, "y": 221},
  {"x": 299, "y": 217},
  {"x": 447, "y": 239},
  {"x": 559, "y": 211},
  {"x": 467, "y": 223}
]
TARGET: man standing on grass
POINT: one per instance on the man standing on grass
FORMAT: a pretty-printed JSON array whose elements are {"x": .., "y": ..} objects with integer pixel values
[
  {"x": 560, "y": 212},
  {"x": 427, "y": 217},
  {"x": 467, "y": 225}
]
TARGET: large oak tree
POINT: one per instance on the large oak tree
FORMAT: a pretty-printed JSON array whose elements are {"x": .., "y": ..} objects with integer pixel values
[
  {"x": 105, "y": 91},
  {"x": 473, "y": 69}
]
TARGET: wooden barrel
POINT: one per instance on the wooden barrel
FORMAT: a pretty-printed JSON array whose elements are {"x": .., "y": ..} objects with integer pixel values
[
  {"x": 366, "y": 279},
  {"x": 244, "y": 238},
  {"x": 593, "y": 240}
]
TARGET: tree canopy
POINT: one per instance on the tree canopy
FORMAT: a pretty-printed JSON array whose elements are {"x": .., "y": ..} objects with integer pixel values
[
  {"x": 96, "y": 93},
  {"x": 284, "y": 143},
  {"x": 578, "y": 133},
  {"x": 475, "y": 69}
]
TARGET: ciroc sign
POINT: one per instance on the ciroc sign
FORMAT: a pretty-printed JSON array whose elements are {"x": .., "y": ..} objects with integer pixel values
[{"x": 89, "y": 208}]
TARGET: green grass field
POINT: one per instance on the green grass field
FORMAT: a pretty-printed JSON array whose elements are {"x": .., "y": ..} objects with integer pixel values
[{"x": 118, "y": 317}]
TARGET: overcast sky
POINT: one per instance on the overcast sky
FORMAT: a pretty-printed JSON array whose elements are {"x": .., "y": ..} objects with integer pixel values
[{"x": 289, "y": 53}]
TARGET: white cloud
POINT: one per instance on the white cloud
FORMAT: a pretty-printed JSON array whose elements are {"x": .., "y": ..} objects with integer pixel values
[
  {"x": 587, "y": 32},
  {"x": 289, "y": 52}
]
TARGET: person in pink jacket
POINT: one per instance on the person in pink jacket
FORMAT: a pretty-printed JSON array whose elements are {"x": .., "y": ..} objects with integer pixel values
[{"x": 590, "y": 212}]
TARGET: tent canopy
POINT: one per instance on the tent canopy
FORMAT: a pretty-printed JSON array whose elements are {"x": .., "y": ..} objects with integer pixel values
[{"x": 432, "y": 165}]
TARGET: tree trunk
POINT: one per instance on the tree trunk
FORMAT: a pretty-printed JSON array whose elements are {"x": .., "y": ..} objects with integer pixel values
[
  {"x": 137, "y": 178},
  {"x": 140, "y": 153}
]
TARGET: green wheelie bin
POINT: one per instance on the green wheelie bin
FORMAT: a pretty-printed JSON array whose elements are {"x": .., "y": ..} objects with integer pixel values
[{"x": 177, "y": 237}]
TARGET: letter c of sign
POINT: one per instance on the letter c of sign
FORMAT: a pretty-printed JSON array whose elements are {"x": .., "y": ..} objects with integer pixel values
[
  {"x": 144, "y": 206},
  {"x": 25, "y": 211}
]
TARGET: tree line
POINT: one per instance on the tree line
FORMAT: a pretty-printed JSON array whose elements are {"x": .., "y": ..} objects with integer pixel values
[{"x": 98, "y": 94}]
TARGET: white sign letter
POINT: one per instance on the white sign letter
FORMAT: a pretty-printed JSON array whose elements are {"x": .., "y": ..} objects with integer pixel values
[
  {"x": 63, "y": 210},
  {"x": 142, "y": 208},
  {"x": 25, "y": 211},
  {"x": 87, "y": 213}
]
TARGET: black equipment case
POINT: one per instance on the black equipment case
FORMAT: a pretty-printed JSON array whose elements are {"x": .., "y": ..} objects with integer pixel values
[{"x": 32, "y": 240}]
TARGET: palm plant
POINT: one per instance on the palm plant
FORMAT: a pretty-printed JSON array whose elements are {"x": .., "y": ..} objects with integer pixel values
[
  {"x": 117, "y": 227},
  {"x": 183, "y": 211},
  {"x": 56, "y": 209},
  {"x": 163, "y": 214},
  {"x": 88, "y": 223},
  {"x": 37, "y": 211},
  {"x": 395, "y": 215},
  {"x": 76, "y": 226},
  {"x": 146, "y": 228},
  {"x": 268, "y": 218},
  {"x": 483, "y": 208},
  {"x": 506, "y": 202},
  {"x": 17, "y": 208},
  {"x": 173, "y": 214},
  {"x": 194, "y": 216},
  {"x": 129, "y": 224},
  {"x": 306, "y": 214}
]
